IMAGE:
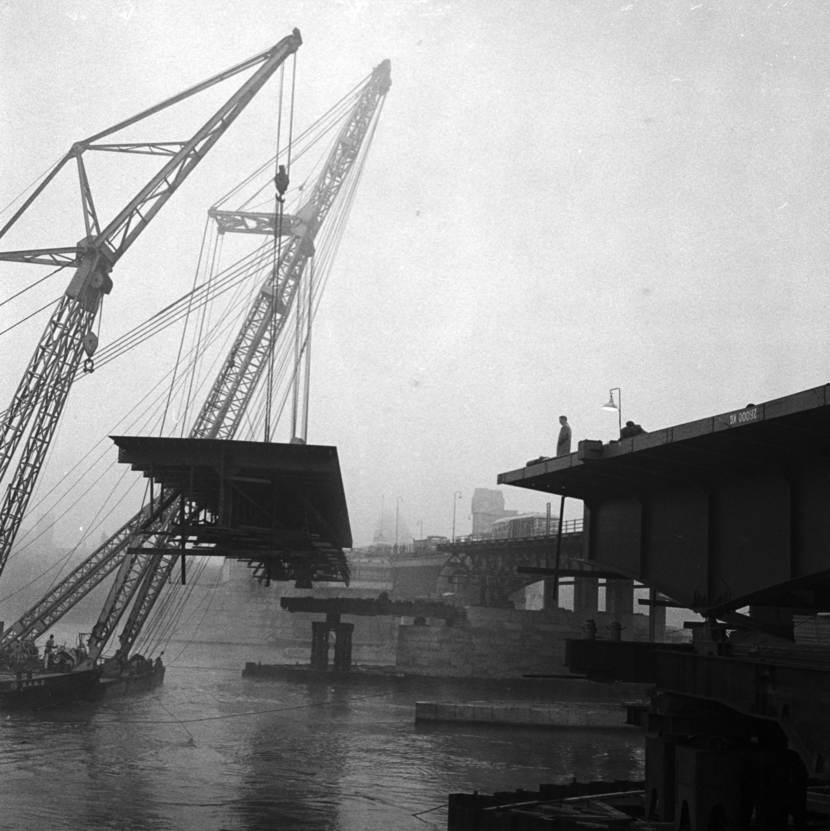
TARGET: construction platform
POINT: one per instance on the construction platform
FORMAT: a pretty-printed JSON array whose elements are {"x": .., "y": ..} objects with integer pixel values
[{"x": 280, "y": 506}]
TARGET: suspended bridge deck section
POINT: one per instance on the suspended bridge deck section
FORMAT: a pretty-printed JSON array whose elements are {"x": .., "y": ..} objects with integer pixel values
[
  {"x": 719, "y": 513},
  {"x": 280, "y": 506}
]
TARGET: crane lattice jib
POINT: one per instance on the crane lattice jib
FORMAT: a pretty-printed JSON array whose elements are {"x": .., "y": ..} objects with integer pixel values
[
  {"x": 157, "y": 577},
  {"x": 221, "y": 415},
  {"x": 237, "y": 379},
  {"x": 234, "y": 385},
  {"x": 134, "y": 570},
  {"x": 85, "y": 577},
  {"x": 52, "y": 368},
  {"x": 40, "y": 397}
]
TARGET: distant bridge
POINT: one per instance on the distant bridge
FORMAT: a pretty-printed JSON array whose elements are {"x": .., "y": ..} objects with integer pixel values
[{"x": 486, "y": 572}]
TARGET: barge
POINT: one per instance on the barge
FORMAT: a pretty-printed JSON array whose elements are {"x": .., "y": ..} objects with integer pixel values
[{"x": 39, "y": 688}]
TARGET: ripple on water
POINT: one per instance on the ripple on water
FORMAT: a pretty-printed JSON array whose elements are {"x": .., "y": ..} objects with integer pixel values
[{"x": 211, "y": 750}]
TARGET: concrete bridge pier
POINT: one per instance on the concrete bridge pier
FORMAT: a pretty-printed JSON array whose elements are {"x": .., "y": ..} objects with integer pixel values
[
  {"x": 550, "y": 595},
  {"x": 324, "y": 634},
  {"x": 619, "y": 597},
  {"x": 656, "y": 618},
  {"x": 586, "y": 595}
]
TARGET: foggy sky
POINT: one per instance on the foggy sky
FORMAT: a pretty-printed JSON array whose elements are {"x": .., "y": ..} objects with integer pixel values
[{"x": 561, "y": 197}]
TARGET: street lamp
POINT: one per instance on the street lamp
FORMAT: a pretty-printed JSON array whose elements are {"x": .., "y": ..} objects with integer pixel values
[
  {"x": 397, "y": 507},
  {"x": 611, "y": 405},
  {"x": 455, "y": 497}
]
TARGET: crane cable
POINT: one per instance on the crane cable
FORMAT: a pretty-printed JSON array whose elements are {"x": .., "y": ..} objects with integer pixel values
[
  {"x": 334, "y": 115},
  {"x": 32, "y": 185},
  {"x": 235, "y": 275},
  {"x": 153, "y": 400},
  {"x": 276, "y": 253},
  {"x": 334, "y": 234},
  {"x": 282, "y": 175},
  {"x": 327, "y": 246},
  {"x": 43, "y": 308},
  {"x": 308, "y": 314},
  {"x": 184, "y": 328},
  {"x": 32, "y": 285},
  {"x": 197, "y": 349},
  {"x": 324, "y": 124}
]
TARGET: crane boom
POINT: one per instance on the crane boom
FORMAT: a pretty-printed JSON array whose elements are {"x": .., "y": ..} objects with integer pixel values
[
  {"x": 243, "y": 367},
  {"x": 40, "y": 397}
]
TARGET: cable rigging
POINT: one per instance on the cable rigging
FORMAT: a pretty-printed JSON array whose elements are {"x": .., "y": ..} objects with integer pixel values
[
  {"x": 40, "y": 397},
  {"x": 281, "y": 182},
  {"x": 201, "y": 293},
  {"x": 287, "y": 282},
  {"x": 327, "y": 253}
]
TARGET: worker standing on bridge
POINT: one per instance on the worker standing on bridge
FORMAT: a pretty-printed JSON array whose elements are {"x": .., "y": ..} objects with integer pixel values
[
  {"x": 281, "y": 181},
  {"x": 48, "y": 652},
  {"x": 563, "y": 443}
]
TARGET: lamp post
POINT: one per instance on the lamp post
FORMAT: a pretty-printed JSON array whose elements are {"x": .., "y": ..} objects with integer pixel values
[
  {"x": 455, "y": 497},
  {"x": 611, "y": 405},
  {"x": 397, "y": 508}
]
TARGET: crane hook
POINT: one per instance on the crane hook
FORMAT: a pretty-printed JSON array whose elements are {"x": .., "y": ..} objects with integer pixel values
[
  {"x": 90, "y": 344},
  {"x": 281, "y": 182}
]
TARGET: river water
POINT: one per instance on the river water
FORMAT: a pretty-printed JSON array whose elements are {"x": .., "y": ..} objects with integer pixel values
[{"x": 210, "y": 750}]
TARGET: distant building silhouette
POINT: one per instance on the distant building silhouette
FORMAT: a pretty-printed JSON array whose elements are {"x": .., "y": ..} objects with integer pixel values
[{"x": 487, "y": 508}]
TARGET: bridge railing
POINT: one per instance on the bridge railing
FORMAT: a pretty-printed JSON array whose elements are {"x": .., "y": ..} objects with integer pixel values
[
  {"x": 569, "y": 526},
  {"x": 393, "y": 552}
]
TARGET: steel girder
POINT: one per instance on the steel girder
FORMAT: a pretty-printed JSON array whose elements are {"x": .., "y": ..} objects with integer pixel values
[{"x": 254, "y": 222}]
